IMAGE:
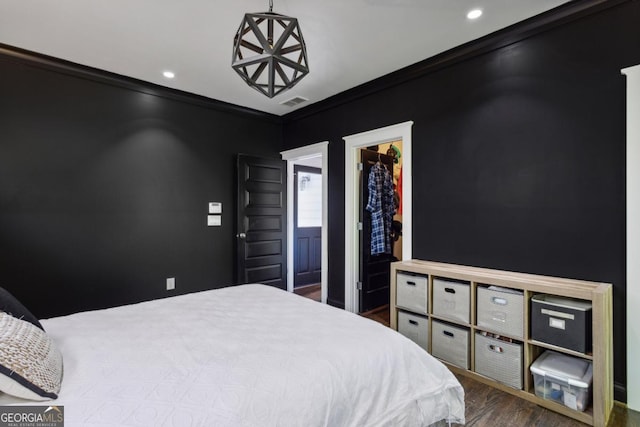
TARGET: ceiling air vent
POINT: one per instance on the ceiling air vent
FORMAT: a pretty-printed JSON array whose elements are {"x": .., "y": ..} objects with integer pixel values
[{"x": 294, "y": 101}]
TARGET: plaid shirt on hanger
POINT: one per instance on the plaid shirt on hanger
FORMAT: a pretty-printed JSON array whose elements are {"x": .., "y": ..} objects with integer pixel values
[{"x": 382, "y": 208}]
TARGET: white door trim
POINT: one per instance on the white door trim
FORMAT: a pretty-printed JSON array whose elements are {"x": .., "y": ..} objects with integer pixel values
[
  {"x": 293, "y": 156},
  {"x": 352, "y": 144},
  {"x": 633, "y": 236}
]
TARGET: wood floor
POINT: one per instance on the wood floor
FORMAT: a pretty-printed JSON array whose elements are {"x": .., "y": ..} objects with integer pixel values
[
  {"x": 487, "y": 406},
  {"x": 380, "y": 315},
  {"x": 309, "y": 291}
]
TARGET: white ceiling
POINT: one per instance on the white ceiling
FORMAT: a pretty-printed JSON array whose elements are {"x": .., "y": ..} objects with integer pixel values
[{"x": 349, "y": 42}]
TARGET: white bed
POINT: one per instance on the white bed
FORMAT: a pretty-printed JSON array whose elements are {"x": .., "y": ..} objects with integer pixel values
[{"x": 248, "y": 355}]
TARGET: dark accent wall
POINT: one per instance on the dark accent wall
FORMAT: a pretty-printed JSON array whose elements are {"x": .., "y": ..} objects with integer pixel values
[
  {"x": 518, "y": 155},
  {"x": 104, "y": 186}
]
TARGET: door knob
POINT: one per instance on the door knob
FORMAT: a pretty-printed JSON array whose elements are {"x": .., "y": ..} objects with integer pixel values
[{"x": 242, "y": 236}]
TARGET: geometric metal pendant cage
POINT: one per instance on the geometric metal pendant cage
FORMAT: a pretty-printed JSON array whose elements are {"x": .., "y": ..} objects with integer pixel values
[{"x": 269, "y": 52}]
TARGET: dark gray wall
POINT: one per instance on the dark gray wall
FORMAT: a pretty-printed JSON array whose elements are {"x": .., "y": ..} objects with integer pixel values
[
  {"x": 518, "y": 164},
  {"x": 518, "y": 156},
  {"x": 104, "y": 189}
]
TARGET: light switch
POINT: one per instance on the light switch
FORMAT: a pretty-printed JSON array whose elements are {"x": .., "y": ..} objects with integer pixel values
[
  {"x": 214, "y": 220},
  {"x": 215, "y": 207}
]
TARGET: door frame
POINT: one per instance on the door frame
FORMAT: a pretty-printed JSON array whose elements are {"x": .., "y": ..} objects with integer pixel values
[
  {"x": 352, "y": 144},
  {"x": 292, "y": 157},
  {"x": 633, "y": 236}
]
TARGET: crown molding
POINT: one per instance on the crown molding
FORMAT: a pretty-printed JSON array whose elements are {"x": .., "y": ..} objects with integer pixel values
[
  {"x": 545, "y": 21},
  {"x": 73, "y": 69}
]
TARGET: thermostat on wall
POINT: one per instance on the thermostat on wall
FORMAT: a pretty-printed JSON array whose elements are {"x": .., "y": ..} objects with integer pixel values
[{"x": 215, "y": 207}]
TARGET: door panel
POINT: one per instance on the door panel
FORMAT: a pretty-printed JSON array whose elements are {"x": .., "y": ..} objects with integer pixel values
[
  {"x": 307, "y": 238},
  {"x": 307, "y": 247},
  {"x": 261, "y": 221},
  {"x": 302, "y": 254},
  {"x": 374, "y": 269}
]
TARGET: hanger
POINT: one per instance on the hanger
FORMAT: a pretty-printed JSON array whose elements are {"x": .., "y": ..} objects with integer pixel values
[{"x": 379, "y": 162}]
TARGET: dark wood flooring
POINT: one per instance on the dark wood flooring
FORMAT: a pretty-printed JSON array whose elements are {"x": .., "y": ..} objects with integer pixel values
[
  {"x": 490, "y": 407},
  {"x": 380, "y": 315},
  {"x": 487, "y": 406},
  {"x": 309, "y": 291}
]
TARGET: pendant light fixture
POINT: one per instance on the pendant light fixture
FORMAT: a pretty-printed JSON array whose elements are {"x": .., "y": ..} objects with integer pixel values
[{"x": 269, "y": 52}]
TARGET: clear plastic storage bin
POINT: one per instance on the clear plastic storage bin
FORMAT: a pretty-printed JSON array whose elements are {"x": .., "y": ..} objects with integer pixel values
[{"x": 563, "y": 379}]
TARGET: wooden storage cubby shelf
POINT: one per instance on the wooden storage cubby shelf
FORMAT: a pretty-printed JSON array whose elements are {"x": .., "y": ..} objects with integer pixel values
[{"x": 598, "y": 294}]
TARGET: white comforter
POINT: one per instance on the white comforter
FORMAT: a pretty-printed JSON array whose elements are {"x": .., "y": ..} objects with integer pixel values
[{"x": 247, "y": 355}]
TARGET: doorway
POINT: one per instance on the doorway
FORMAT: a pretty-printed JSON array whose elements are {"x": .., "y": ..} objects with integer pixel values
[
  {"x": 315, "y": 155},
  {"x": 307, "y": 224},
  {"x": 376, "y": 208},
  {"x": 380, "y": 234},
  {"x": 353, "y": 144}
]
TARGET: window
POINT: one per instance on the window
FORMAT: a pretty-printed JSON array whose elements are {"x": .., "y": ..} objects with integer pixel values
[{"x": 309, "y": 199}]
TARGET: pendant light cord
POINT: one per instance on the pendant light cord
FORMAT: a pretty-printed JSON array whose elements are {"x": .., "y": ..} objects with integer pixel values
[{"x": 270, "y": 5}]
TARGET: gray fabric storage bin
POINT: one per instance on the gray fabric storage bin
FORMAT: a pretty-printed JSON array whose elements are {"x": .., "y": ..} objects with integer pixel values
[
  {"x": 450, "y": 343},
  {"x": 499, "y": 360},
  {"x": 501, "y": 310},
  {"x": 414, "y": 327},
  {"x": 412, "y": 292},
  {"x": 561, "y": 321},
  {"x": 451, "y": 299}
]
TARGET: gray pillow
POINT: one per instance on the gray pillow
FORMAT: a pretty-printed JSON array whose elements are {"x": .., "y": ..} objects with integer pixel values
[{"x": 30, "y": 363}]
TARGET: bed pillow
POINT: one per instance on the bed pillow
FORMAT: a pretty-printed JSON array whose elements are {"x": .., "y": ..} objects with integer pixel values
[
  {"x": 30, "y": 363},
  {"x": 10, "y": 305}
]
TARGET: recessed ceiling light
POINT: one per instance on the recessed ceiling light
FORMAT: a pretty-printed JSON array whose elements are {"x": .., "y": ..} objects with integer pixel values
[
  {"x": 474, "y": 14},
  {"x": 169, "y": 74}
]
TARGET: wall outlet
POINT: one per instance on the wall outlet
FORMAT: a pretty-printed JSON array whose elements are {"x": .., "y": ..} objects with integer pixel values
[{"x": 171, "y": 283}]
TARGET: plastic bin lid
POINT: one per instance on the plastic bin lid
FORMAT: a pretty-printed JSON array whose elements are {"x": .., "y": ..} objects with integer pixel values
[
  {"x": 575, "y": 304},
  {"x": 577, "y": 372}
]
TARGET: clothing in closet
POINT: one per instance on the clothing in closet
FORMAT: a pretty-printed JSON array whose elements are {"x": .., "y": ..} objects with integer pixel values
[
  {"x": 399, "y": 191},
  {"x": 382, "y": 208}
]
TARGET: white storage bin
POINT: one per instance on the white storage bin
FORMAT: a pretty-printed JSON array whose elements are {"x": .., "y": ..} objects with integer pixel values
[
  {"x": 411, "y": 292},
  {"x": 501, "y": 310},
  {"x": 414, "y": 327},
  {"x": 499, "y": 360},
  {"x": 563, "y": 379},
  {"x": 450, "y": 343},
  {"x": 451, "y": 299}
]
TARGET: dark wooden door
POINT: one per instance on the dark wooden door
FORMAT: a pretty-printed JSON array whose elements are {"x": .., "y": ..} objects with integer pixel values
[
  {"x": 261, "y": 221},
  {"x": 307, "y": 225},
  {"x": 374, "y": 269}
]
